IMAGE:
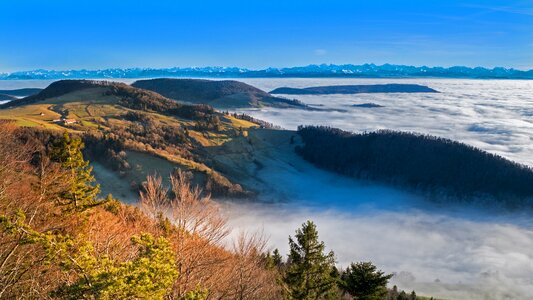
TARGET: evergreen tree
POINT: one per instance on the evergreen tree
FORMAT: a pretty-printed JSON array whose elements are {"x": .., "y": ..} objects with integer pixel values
[
  {"x": 393, "y": 294},
  {"x": 269, "y": 261},
  {"x": 336, "y": 275},
  {"x": 364, "y": 282},
  {"x": 277, "y": 258},
  {"x": 149, "y": 275},
  {"x": 413, "y": 295},
  {"x": 403, "y": 296},
  {"x": 309, "y": 273},
  {"x": 80, "y": 193}
]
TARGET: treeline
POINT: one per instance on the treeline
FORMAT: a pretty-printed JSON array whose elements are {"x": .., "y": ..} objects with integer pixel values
[
  {"x": 261, "y": 123},
  {"x": 421, "y": 162},
  {"x": 145, "y": 100},
  {"x": 288, "y": 102},
  {"x": 142, "y": 132}
]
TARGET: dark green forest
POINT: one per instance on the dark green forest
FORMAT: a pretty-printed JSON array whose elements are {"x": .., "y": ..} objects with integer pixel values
[{"x": 424, "y": 163}]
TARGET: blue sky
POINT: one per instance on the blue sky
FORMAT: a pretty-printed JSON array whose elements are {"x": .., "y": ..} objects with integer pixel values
[{"x": 93, "y": 34}]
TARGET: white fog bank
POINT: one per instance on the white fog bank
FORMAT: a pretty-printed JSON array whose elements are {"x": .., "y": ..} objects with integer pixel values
[
  {"x": 494, "y": 115},
  {"x": 464, "y": 253},
  {"x": 433, "y": 253}
]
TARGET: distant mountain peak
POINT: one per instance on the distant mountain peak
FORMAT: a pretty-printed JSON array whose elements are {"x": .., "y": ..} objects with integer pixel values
[{"x": 368, "y": 70}]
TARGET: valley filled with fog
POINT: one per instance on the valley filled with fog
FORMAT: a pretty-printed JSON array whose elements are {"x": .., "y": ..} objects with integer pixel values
[
  {"x": 447, "y": 252},
  {"x": 436, "y": 250},
  {"x": 494, "y": 115}
]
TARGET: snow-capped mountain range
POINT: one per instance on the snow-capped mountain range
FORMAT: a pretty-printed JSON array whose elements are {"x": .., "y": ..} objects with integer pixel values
[{"x": 323, "y": 70}]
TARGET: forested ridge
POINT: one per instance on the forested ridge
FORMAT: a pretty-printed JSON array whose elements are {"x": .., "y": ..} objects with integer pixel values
[
  {"x": 421, "y": 162},
  {"x": 197, "y": 90},
  {"x": 60, "y": 239},
  {"x": 219, "y": 93}
]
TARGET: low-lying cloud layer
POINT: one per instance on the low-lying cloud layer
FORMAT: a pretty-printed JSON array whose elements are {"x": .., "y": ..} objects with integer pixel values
[
  {"x": 494, "y": 115},
  {"x": 433, "y": 253},
  {"x": 460, "y": 254}
]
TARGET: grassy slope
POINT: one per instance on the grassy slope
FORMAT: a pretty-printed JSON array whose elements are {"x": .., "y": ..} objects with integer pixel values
[
  {"x": 238, "y": 158},
  {"x": 89, "y": 106}
]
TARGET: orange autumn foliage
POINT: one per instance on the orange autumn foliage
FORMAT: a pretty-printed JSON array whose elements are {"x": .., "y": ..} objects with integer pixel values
[{"x": 191, "y": 222}]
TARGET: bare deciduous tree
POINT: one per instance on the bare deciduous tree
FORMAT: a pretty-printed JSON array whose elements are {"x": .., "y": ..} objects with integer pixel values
[
  {"x": 200, "y": 229},
  {"x": 194, "y": 213},
  {"x": 154, "y": 197},
  {"x": 251, "y": 279}
]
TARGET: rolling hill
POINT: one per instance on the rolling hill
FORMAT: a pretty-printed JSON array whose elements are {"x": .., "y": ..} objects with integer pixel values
[
  {"x": 130, "y": 131},
  {"x": 223, "y": 94}
]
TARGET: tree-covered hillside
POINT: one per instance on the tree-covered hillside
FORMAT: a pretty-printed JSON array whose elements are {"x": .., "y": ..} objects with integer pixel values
[
  {"x": 420, "y": 162},
  {"x": 217, "y": 93},
  {"x": 59, "y": 240},
  {"x": 118, "y": 121}
]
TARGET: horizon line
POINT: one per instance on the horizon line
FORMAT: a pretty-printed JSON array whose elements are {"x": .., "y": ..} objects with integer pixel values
[{"x": 265, "y": 68}]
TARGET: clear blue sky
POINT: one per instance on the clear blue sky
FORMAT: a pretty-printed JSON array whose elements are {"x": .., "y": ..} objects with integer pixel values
[{"x": 93, "y": 34}]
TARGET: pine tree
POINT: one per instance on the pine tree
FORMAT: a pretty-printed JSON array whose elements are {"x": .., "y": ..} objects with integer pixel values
[
  {"x": 403, "y": 296},
  {"x": 309, "y": 273},
  {"x": 363, "y": 281},
  {"x": 80, "y": 193},
  {"x": 393, "y": 294},
  {"x": 277, "y": 258},
  {"x": 148, "y": 275},
  {"x": 413, "y": 296}
]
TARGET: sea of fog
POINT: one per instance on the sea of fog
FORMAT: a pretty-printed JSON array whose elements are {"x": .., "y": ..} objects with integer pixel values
[
  {"x": 452, "y": 253},
  {"x": 494, "y": 115}
]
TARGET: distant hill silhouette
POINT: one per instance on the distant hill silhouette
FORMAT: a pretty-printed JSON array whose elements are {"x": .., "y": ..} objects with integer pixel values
[
  {"x": 219, "y": 94},
  {"x": 4, "y": 97},
  {"x": 10, "y": 95},
  {"x": 355, "y": 89},
  {"x": 21, "y": 92},
  {"x": 367, "y": 105},
  {"x": 63, "y": 87}
]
